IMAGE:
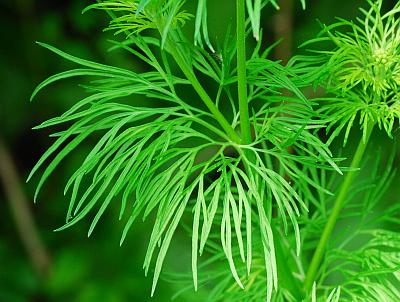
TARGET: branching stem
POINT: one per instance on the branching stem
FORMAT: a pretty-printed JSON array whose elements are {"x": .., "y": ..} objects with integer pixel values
[
  {"x": 188, "y": 72},
  {"x": 337, "y": 207}
]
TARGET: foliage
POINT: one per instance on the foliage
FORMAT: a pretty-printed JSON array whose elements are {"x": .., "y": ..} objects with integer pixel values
[
  {"x": 361, "y": 265},
  {"x": 361, "y": 70},
  {"x": 241, "y": 166}
]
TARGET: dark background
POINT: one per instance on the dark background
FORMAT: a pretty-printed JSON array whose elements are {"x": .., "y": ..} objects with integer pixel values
[{"x": 67, "y": 266}]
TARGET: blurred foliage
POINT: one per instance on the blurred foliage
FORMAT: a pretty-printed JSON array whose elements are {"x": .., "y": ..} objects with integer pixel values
[{"x": 94, "y": 269}]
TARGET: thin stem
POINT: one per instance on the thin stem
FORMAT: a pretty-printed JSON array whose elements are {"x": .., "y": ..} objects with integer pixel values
[
  {"x": 337, "y": 207},
  {"x": 241, "y": 70},
  {"x": 188, "y": 72},
  {"x": 284, "y": 273}
]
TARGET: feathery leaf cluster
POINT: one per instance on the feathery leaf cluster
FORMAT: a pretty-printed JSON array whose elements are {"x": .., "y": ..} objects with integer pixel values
[
  {"x": 152, "y": 157},
  {"x": 367, "y": 271},
  {"x": 255, "y": 205},
  {"x": 361, "y": 70}
]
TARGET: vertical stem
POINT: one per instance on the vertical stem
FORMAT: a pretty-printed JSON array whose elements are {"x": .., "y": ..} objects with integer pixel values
[
  {"x": 241, "y": 70},
  {"x": 285, "y": 275},
  {"x": 337, "y": 207}
]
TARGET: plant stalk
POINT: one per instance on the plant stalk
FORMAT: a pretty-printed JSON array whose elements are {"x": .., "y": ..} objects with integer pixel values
[
  {"x": 337, "y": 207},
  {"x": 284, "y": 274},
  {"x": 241, "y": 71}
]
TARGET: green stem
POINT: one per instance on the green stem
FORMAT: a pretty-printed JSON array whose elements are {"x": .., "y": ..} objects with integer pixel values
[
  {"x": 241, "y": 70},
  {"x": 337, "y": 207},
  {"x": 188, "y": 72},
  {"x": 285, "y": 275}
]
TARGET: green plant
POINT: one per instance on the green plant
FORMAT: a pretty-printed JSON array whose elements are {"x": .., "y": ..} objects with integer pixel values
[
  {"x": 242, "y": 161},
  {"x": 362, "y": 72}
]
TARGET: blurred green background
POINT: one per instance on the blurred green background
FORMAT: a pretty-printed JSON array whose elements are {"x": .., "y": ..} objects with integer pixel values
[{"x": 67, "y": 266}]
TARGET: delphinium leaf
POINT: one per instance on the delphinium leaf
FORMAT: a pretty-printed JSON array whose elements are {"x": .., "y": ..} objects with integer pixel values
[
  {"x": 201, "y": 27},
  {"x": 369, "y": 271},
  {"x": 360, "y": 68},
  {"x": 151, "y": 157}
]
